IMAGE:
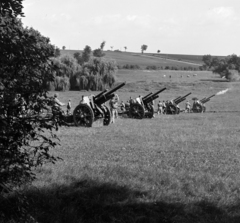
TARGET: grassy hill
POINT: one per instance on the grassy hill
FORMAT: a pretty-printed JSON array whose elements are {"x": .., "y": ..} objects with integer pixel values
[{"x": 148, "y": 59}]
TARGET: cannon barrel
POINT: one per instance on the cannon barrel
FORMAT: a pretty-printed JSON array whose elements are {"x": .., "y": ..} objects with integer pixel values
[
  {"x": 204, "y": 100},
  {"x": 158, "y": 92},
  {"x": 151, "y": 99},
  {"x": 108, "y": 95},
  {"x": 146, "y": 96},
  {"x": 177, "y": 98},
  {"x": 182, "y": 98},
  {"x": 115, "y": 89},
  {"x": 100, "y": 94},
  {"x": 153, "y": 95}
]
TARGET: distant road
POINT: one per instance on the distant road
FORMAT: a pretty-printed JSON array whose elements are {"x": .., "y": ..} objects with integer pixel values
[{"x": 161, "y": 58}]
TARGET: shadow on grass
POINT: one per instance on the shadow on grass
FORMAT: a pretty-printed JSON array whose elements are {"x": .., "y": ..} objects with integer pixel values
[
  {"x": 214, "y": 80},
  {"x": 89, "y": 201}
]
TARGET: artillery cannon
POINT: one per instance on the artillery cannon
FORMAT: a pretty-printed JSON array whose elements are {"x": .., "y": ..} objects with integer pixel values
[
  {"x": 93, "y": 108},
  {"x": 143, "y": 107},
  {"x": 199, "y": 106},
  {"x": 172, "y": 106}
]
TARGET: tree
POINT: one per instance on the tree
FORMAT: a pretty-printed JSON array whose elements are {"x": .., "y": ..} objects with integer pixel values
[
  {"x": 102, "y": 45},
  {"x": 57, "y": 52},
  {"x": 207, "y": 59},
  {"x": 26, "y": 68},
  {"x": 143, "y": 48},
  {"x": 158, "y": 51},
  {"x": 86, "y": 54},
  {"x": 125, "y": 48},
  {"x": 63, "y": 47},
  {"x": 111, "y": 47},
  {"x": 99, "y": 52}
]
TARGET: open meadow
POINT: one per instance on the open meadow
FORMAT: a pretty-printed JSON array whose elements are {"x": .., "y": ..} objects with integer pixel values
[{"x": 172, "y": 168}]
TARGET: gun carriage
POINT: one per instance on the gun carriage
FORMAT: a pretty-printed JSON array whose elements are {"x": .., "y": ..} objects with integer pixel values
[
  {"x": 199, "y": 106},
  {"x": 143, "y": 107},
  {"x": 172, "y": 107},
  {"x": 93, "y": 108}
]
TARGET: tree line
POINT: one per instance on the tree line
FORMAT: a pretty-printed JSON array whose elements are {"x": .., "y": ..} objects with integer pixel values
[
  {"x": 228, "y": 67},
  {"x": 87, "y": 70}
]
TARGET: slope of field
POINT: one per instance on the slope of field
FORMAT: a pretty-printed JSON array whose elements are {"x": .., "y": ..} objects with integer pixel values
[
  {"x": 144, "y": 60},
  {"x": 182, "y": 168}
]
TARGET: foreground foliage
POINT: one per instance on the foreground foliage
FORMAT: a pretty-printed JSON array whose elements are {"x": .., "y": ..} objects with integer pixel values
[{"x": 25, "y": 136}]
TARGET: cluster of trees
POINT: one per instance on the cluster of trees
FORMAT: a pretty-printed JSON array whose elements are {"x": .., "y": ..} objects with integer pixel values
[
  {"x": 87, "y": 70},
  {"x": 228, "y": 67}
]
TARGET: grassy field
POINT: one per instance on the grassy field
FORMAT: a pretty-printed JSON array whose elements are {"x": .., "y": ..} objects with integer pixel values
[
  {"x": 144, "y": 60},
  {"x": 182, "y": 168}
]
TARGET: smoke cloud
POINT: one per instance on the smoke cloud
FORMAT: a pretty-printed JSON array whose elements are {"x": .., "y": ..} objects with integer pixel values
[{"x": 223, "y": 91}]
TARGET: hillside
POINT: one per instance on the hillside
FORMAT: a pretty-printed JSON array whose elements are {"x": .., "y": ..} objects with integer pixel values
[{"x": 148, "y": 59}]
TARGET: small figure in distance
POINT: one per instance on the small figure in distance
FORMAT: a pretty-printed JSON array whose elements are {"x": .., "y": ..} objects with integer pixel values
[
  {"x": 69, "y": 106},
  {"x": 57, "y": 104},
  {"x": 164, "y": 107},
  {"x": 113, "y": 104},
  {"x": 82, "y": 100},
  {"x": 122, "y": 106},
  {"x": 131, "y": 101},
  {"x": 188, "y": 107},
  {"x": 160, "y": 108}
]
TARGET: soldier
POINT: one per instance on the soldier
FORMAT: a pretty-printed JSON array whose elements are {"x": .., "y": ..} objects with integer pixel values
[
  {"x": 188, "y": 107},
  {"x": 113, "y": 104},
  {"x": 131, "y": 101},
  {"x": 56, "y": 108},
  {"x": 160, "y": 108},
  {"x": 164, "y": 107},
  {"x": 122, "y": 106},
  {"x": 69, "y": 107}
]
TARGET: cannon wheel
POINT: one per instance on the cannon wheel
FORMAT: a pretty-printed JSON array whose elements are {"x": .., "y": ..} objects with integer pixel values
[
  {"x": 150, "y": 112},
  {"x": 83, "y": 115},
  {"x": 137, "y": 111},
  {"x": 197, "y": 108},
  {"x": 171, "y": 109},
  {"x": 107, "y": 116}
]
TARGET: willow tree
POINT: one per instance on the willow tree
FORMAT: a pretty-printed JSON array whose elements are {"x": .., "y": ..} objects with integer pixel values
[{"x": 98, "y": 73}]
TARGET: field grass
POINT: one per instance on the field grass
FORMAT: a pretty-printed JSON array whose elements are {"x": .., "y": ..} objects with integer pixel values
[
  {"x": 182, "y": 168},
  {"x": 144, "y": 60}
]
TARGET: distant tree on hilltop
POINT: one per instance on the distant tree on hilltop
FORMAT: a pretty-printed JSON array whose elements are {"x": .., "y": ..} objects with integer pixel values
[
  {"x": 125, "y": 48},
  {"x": 99, "y": 52},
  {"x": 158, "y": 51},
  {"x": 63, "y": 47},
  {"x": 144, "y": 48}
]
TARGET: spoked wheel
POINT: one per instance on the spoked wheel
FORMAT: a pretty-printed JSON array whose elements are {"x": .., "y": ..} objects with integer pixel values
[
  {"x": 150, "y": 111},
  {"x": 83, "y": 115},
  {"x": 171, "y": 110},
  {"x": 197, "y": 108},
  {"x": 137, "y": 111},
  {"x": 107, "y": 116}
]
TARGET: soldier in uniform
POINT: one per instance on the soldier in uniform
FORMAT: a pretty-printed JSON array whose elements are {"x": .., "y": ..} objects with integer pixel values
[
  {"x": 69, "y": 107},
  {"x": 113, "y": 104},
  {"x": 160, "y": 108},
  {"x": 56, "y": 108},
  {"x": 188, "y": 107}
]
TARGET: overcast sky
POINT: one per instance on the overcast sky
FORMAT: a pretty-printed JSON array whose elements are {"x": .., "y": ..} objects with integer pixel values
[{"x": 171, "y": 26}]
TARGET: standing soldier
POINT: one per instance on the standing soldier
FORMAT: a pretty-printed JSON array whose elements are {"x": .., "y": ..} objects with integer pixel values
[
  {"x": 122, "y": 106},
  {"x": 160, "y": 108},
  {"x": 188, "y": 107},
  {"x": 113, "y": 104},
  {"x": 69, "y": 107},
  {"x": 164, "y": 107}
]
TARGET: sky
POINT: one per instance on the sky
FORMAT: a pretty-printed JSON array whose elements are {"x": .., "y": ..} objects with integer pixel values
[{"x": 196, "y": 27}]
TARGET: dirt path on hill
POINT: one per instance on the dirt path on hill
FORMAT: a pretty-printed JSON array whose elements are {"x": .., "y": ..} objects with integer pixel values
[{"x": 160, "y": 58}]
